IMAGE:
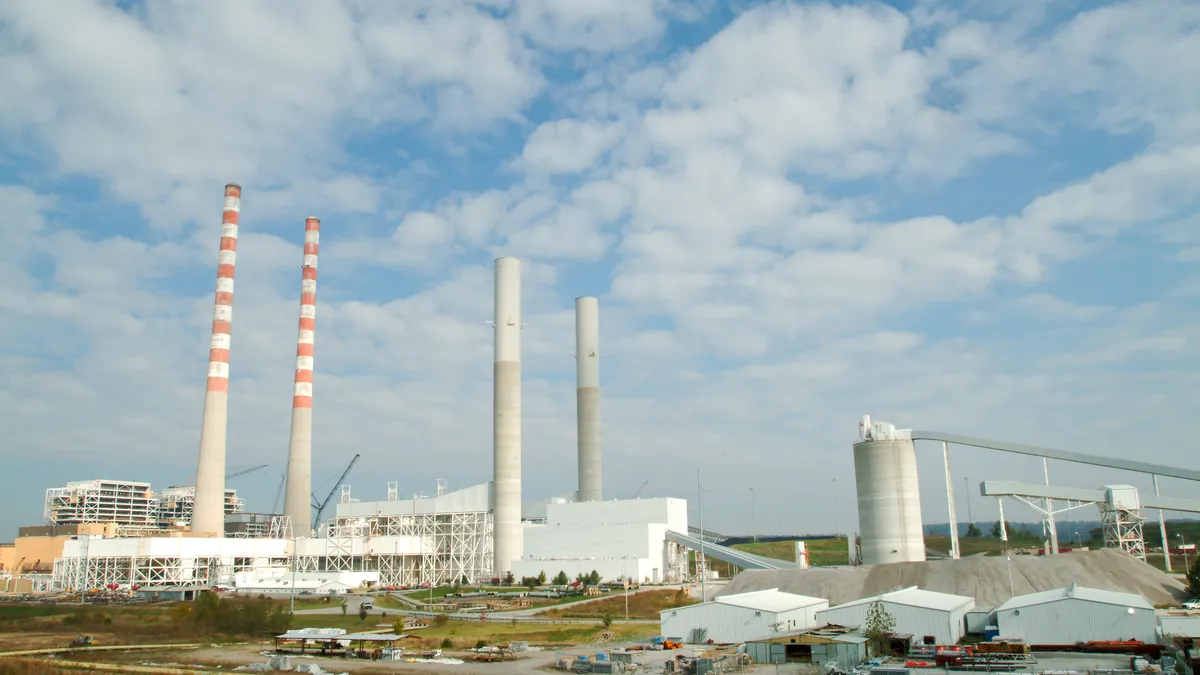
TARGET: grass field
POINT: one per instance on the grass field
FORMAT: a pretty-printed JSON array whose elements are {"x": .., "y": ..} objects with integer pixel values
[
  {"x": 642, "y": 605},
  {"x": 821, "y": 552}
]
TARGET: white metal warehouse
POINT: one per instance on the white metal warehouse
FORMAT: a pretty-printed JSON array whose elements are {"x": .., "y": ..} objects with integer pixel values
[
  {"x": 1065, "y": 616},
  {"x": 917, "y": 612},
  {"x": 742, "y": 616}
]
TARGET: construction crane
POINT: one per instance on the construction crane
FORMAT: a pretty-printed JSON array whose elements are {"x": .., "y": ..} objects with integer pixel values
[
  {"x": 278, "y": 493},
  {"x": 320, "y": 506},
  {"x": 243, "y": 472},
  {"x": 639, "y": 490}
]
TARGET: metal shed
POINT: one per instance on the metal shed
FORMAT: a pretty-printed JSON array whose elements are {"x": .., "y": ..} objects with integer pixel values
[
  {"x": 820, "y": 646},
  {"x": 1179, "y": 624},
  {"x": 1074, "y": 614},
  {"x": 742, "y": 616},
  {"x": 916, "y": 611}
]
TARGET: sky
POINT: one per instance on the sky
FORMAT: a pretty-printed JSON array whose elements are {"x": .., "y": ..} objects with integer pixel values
[{"x": 974, "y": 217}]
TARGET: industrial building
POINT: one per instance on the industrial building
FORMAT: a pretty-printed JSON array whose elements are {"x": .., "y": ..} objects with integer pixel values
[
  {"x": 745, "y": 616},
  {"x": 828, "y": 644},
  {"x": 625, "y": 539},
  {"x": 1076, "y": 614},
  {"x": 133, "y": 506},
  {"x": 917, "y": 612}
]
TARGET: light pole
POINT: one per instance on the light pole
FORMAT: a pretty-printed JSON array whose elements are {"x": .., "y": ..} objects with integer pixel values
[
  {"x": 1078, "y": 539},
  {"x": 293, "y": 602},
  {"x": 625, "y": 567},
  {"x": 753, "y": 531},
  {"x": 837, "y": 511},
  {"x": 1182, "y": 544}
]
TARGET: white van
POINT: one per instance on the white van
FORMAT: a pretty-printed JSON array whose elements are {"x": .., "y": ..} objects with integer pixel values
[{"x": 368, "y": 604}]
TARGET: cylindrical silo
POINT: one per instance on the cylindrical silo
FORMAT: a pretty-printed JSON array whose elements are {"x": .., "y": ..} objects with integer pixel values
[{"x": 889, "y": 501}]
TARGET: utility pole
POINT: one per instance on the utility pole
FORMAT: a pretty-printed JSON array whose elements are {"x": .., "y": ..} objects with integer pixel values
[{"x": 702, "y": 565}]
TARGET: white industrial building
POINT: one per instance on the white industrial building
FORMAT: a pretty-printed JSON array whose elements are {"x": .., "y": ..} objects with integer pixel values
[
  {"x": 400, "y": 541},
  {"x": 1075, "y": 614},
  {"x": 743, "y": 616},
  {"x": 917, "y": 612},
  {"x": 617, "y": 539}
]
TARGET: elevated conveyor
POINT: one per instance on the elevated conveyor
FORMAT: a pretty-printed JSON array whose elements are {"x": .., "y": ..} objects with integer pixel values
[{"x": 742, "y": 559}]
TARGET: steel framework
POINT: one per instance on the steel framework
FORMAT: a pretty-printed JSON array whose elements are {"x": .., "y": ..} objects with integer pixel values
[
  {"x": 1123, "y": 529},
  {"x": 87, "y": 572}
]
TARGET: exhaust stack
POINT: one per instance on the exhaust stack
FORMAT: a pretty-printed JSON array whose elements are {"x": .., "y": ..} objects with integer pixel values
[
  {"x": 509, "y": 541},
  {"x": 587, "y": 398},
  {"x": 208, "y": 511},
  {"x": 297, "y": 505}
]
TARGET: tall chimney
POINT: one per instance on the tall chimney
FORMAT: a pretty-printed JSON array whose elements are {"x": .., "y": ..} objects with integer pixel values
[
  {"x": 506, "y": 417},
  {"x": 587, "y": 397},
  {"x": 297, "y": 504},
  {"x": 208, "y": 510}
]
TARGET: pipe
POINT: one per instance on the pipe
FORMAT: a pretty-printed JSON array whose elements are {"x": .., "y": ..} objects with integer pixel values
[
  {"x": 506, "y": 417},
  {"x": 298, "y": 500},
  {"x": 587, "y": 398},
  {"x": 208, "y": 510}
]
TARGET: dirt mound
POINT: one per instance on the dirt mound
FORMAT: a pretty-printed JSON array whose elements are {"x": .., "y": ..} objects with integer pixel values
[{"x": 984, "y": 578}]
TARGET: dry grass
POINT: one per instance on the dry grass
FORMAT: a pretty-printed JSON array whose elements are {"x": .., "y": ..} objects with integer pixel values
[
  {"x": 642, "y": 605},
  {"x": 28, "y": 667}
]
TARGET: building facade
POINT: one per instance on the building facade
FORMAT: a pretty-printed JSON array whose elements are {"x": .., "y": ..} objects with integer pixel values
[
  {"x": 618, "y": 539},
  {"x": 1076, "y": 614},
  {"x": 917, "y": 612},
  {"x": 743, "y": 616}
]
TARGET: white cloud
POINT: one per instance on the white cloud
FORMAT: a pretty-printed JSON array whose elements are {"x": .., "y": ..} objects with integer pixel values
[
  {"x": 741, "y": 207},
  {"x": 567, "y": 146}
]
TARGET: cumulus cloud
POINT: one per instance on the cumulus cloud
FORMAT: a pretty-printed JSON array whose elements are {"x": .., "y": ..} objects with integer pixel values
[{"x": 818, "y": 210}]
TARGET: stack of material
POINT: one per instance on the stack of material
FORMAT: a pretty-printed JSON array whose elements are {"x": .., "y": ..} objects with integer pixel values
[{"x": 984, "y": 578}]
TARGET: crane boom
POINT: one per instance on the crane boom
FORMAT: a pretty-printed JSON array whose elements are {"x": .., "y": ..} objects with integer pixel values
[
  {"x": 337, "y": 484},
  {"x": 243, "y": 472}
]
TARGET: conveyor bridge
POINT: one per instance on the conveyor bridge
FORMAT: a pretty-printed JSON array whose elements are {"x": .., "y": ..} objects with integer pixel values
[{"x": 742, "y": 559}]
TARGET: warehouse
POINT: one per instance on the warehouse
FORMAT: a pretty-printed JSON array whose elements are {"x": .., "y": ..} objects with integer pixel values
[
  {"x": 741, "y": 617},
  {"x": 831, "y": 644},
  {"x": 1076, "y": 614},
  {"x": 917, "y": 612}
]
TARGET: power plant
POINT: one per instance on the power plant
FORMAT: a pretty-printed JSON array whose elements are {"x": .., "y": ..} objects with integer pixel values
[{"x": 201, "y": 535}]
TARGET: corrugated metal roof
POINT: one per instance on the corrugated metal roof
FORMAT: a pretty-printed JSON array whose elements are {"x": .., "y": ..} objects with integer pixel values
[
  {"x": 917, "y": 597},
  {"x": 1079, "y": 593},
  {"x": 770, "y": 600},
  {"x": 312, "y": 634}
]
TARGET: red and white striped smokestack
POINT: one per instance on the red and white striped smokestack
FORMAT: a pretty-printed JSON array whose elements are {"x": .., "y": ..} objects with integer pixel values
[
  {"x": 297, "y": 503},
  {"x": 208, "y": 511}
]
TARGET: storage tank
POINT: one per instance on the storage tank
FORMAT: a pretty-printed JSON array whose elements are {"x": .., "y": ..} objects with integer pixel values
[{"x": 889, "y": 499}]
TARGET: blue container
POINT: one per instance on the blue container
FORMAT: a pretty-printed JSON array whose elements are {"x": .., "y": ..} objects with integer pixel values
[
  {"x": 991, "y": 633},
  {"x": 602, "y": 656}
]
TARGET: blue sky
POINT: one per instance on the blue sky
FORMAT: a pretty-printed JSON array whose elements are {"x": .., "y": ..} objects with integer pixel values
[{"x": 946, "y": 215}]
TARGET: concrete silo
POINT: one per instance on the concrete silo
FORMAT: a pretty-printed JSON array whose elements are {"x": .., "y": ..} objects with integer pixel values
[{"x": 889, "y": 496}]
